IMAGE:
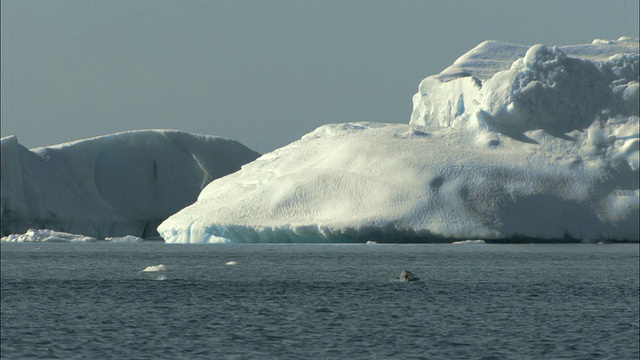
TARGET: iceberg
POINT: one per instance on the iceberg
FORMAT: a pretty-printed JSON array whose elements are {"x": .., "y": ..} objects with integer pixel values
[
  {"x": 510, "y": 142},
  {"x": 46, "y": 235},
  {"x": 111, "y": 186}
]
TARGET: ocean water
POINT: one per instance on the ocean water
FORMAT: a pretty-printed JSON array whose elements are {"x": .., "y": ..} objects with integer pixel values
[{"x": 93, "y": 301}]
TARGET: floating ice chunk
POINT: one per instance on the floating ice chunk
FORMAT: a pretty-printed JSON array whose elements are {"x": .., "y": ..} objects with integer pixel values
[
  {"x": 466, "y": 242},
  {"x": 154, "y": 268},
  {"x": 231, "y": 263},
  {"x": 46, "y": 235},
  {"x": 129, "y": 239}
]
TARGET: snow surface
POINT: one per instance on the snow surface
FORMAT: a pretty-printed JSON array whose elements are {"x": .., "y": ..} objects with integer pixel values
[
  {"x": 509, "y": 142},
  {"x": 111, "y": 186}
]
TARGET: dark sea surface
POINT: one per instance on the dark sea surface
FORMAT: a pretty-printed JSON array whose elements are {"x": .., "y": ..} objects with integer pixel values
[{"x": 92, "y": 301}]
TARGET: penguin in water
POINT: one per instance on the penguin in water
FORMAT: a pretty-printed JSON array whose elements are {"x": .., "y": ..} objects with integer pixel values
[{"x": 407, "y": 276}]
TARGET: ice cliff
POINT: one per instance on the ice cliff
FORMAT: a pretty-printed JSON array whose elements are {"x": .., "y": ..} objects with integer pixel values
[
  {"x": 114, "y": 185},
  {"x": 509, "y": 142}
]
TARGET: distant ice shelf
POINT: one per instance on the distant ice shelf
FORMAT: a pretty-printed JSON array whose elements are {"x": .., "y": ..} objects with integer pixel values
[{"x": 511, "y": 141}]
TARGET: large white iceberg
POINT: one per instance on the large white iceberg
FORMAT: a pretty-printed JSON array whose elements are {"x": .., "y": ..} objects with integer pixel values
[
  {"x": 114, "y": 185},
  {"x": 509, "y": 142}
]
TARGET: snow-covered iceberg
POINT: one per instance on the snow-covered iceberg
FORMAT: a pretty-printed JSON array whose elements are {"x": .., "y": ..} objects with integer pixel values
[
  {"x": 509, "y": 142},
  {"x": 113, "y": 185}
]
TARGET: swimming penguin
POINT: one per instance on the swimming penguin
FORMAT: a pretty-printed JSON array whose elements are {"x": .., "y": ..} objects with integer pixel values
[{"x": 407, "y": 276}]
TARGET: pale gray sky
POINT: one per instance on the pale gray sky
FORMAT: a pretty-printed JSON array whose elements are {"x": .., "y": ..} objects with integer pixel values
[{"x": 261, "y": 72}]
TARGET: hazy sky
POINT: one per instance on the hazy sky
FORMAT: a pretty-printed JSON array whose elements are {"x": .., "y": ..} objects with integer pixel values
[{"x": 261, "y": 72}]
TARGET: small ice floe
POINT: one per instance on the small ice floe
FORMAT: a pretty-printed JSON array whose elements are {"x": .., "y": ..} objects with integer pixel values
[
  {"x": 407, "y": 276},
  {"x": 371, "y": 242},
  {"x": 231, "y": 263},
  {"x": 467, "y": 242},
  {"x": 161, "y": 277},
  {"x": 46, "y": 235},
  {"x": 155, "y": 268},
  {"x": 129, "y": 239}
]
